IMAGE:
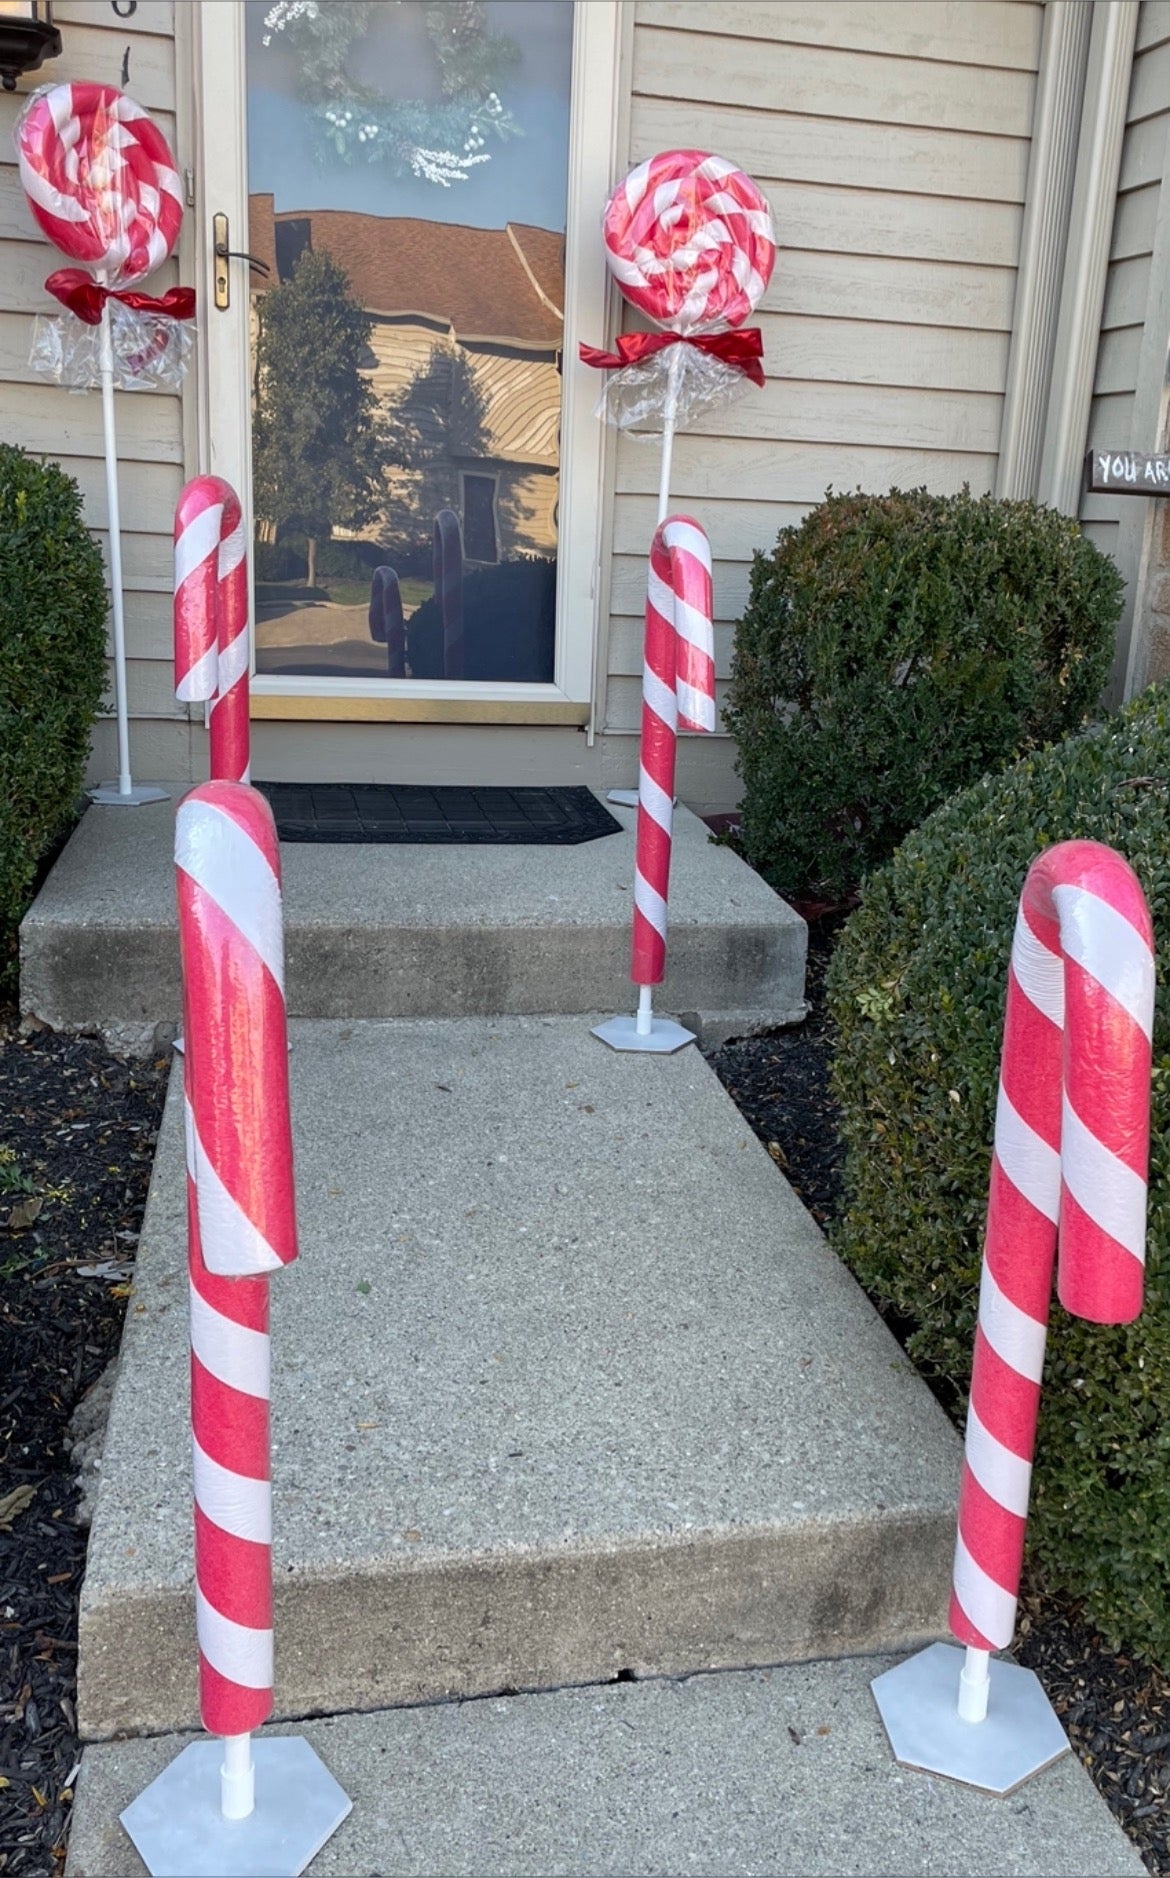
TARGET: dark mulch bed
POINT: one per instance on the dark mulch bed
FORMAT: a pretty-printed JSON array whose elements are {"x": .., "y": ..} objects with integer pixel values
[{"x": 77, "y": 1129}]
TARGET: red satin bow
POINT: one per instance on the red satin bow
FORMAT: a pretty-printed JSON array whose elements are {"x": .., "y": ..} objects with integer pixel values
[
  {"x": 743, "y": 349},
  {"x": 83, "y": 295}
]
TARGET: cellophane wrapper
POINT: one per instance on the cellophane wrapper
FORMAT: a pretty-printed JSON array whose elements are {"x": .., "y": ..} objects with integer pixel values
[
  {"x": 634, "y": 398},
  {"x": 150, "y": 350}
]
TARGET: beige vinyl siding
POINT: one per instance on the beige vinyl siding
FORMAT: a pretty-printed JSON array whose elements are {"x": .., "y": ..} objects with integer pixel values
[
  {"x": 66, "y": 426},
  {"x": 893, "y": 143},
  {"x": 1112, "y": 416}
]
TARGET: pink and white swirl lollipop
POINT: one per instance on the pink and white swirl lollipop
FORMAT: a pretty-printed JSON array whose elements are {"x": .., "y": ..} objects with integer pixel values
[
  {"x": 100, "y": 179},
  {"x": 690, "y": 241}
]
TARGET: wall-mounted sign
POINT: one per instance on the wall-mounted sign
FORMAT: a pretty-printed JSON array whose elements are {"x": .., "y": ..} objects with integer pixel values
[{"x": 1126, "y": 473}]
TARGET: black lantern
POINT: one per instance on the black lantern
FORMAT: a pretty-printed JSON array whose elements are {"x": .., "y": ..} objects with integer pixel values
[{"x": 27, "y": 38}]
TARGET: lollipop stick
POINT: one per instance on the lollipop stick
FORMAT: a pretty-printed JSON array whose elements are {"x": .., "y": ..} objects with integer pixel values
[
  {"x": 123, "y": 793},
  {"x": 669, "y": 420}
]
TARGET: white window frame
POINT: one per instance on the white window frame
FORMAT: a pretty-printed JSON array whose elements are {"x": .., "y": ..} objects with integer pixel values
[{"x": 225, "y": 418}]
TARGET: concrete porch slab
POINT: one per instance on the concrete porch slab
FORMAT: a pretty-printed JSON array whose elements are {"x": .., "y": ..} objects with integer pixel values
[
  {"x": 783, "y": 1772},
  {"x": 567, "y": 1382},
  {"x": 390, "y": 931}
]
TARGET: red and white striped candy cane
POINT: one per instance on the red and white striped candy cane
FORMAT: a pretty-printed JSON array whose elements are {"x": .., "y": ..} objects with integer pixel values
[
  {"x": 387, "y": 621},
  {"x": 241, "y": 1226},
  {"x": 690, "y": 241},
  {"x": 678, "y": 692},
  {"x": 100, "y": 179},
  {"x": 211, "y": 618},
  {"x": 1071, "y": 1146},
  {"x": 448, "y": 565}
]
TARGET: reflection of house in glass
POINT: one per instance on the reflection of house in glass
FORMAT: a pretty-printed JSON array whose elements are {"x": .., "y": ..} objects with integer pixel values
[{"x": 465, "y": 357}]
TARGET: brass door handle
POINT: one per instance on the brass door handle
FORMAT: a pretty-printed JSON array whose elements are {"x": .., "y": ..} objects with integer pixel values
[{"x": 220, "y": 238}]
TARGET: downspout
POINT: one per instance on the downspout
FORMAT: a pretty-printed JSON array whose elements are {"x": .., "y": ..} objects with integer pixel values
[
  {"x": 1102, "y": 131},
  {"x": 1060, "y": 87}
]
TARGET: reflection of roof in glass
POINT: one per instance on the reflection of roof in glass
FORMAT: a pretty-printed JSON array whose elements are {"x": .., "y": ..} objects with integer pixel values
[{"x": 502, "y": 284}]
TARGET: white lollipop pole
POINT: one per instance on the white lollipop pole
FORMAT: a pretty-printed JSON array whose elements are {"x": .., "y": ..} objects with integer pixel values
[{"x": 123, "y": 792}]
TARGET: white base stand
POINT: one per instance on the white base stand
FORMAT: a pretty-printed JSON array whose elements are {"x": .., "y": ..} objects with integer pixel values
[
  {"x": 109, "y": 795},
  {"x": 662, "y": 1039},
  {"x": 180, "y": 1831},
  {"x": 918, "y": 1702}
]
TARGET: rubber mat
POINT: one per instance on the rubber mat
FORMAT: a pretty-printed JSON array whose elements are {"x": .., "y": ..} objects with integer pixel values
[{"x": 412, "y": 812}]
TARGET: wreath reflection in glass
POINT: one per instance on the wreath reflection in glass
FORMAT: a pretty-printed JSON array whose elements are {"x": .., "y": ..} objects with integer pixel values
[{"x": 438, "y": 140}]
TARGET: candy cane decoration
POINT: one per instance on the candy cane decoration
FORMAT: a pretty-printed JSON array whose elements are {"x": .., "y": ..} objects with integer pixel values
[
  {"x": 211, "y": 618},
  {"x": 387, "y": 620},
  {"x": 1071, "y": 1146},
  {"x": 448, "y": 565},
  {"x": 241, "y": 1226}
]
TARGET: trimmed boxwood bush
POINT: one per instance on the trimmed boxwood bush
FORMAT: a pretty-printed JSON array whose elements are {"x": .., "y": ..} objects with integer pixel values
[
  {"x": 894, "y": 648},
  {"x": 917, "y": 989},
  {"x": 52, "y": 668}
]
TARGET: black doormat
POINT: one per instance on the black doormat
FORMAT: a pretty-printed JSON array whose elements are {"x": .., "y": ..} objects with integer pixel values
[{"x": 444, "y": 814}]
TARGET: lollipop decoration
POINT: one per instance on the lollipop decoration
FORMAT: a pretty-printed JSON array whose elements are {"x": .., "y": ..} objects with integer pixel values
[
  {"x": 690, "y": 241},
  {"x": 1070, "y": 1160},
  {"x": 102, "y": 185},
  {"x": 233, "y": 1805}
]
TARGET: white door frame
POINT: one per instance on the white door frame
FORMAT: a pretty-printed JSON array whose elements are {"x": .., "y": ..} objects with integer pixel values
[{"x": 225, "y": 418}]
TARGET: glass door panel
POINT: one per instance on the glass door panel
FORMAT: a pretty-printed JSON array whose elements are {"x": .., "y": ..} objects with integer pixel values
[{"x": 407, "y": 188}]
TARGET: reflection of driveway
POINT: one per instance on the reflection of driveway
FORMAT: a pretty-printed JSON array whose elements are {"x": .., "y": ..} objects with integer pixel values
[
  {"x": 337, "y": 658},
  {"x": 316, "y": 623}
]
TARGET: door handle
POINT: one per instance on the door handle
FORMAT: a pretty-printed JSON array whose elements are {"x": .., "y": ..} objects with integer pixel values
[{"x": 222, "y": 253}]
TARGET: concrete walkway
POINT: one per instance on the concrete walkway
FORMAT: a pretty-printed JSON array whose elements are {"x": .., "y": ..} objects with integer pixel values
[{"x": 781, "y": 1772}]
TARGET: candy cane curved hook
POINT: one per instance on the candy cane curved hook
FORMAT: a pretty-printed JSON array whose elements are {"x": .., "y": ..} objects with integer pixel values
[
  {"x": 1070, "y": 1162},
  {"x": 211, "y": 618},
  {"x": 448, "y": 569},
  {"x": 387, "y": 620}
]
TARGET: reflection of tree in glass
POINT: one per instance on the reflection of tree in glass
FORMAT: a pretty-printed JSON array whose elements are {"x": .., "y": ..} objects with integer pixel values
[
  {"x": 437, "y": 414},
  {"x": 317, "y": 444}
]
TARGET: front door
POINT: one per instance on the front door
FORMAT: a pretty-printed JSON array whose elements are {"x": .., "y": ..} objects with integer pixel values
[{"x": 408, "y": 195}]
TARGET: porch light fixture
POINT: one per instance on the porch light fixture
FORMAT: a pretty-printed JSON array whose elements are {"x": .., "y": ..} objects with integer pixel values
[{"x": 27, "y": 38}]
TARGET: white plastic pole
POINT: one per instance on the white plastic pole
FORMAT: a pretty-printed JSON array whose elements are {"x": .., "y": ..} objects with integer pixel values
[
  {"x": 125, "y": 786},
  {"x": 974, "y": 1683},
  {"x": 237, "y": 1778},
  {"x": 669, "y": 420}
]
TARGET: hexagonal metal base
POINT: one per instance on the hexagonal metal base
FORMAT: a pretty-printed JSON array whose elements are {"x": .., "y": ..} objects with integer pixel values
[
  {"x": 180, "y": 1832},
  {"x": 109, "y": 794},
  {"x": 621, "y": 1033},
  {"x": 918, "y": 1702}
]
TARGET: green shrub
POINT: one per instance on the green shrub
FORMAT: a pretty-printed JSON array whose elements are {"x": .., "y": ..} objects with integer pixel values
[
  {"x": 917, "y": 989},
  {"x": 893, "y": 649},
  {"x": 52, "y": 668}
]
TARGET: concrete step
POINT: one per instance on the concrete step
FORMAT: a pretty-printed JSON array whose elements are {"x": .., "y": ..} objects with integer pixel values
[
  {"x": 418, "y": 931},
  {"x": 781, "y": 1771},
  {"x": 567, "y": 1383}
]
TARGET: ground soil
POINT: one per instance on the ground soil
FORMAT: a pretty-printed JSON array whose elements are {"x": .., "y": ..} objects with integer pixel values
[{"x": 77, "y": 1132}]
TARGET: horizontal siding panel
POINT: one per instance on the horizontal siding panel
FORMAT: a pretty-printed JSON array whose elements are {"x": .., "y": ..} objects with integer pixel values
[
  {"x": 795, "y": 472},
  {"x": 827, "y": 150},
  {"x": 1104, "y": 509},
  {"x": 93, "y": 50},
  {"x": 625, "y": 647},
  {"x": 1126, "y": 291},
  {"x": 1153, "y": 24},
  {"x": 876, "y": 221},
  {"x": 735, "y": 529},
  {"x": 1117, "y": 360},
  {"x": 149, "y": 16},
  {"x": 148, "y": 561},
  {"x": 1110, "y": 422},
  {"x": 948, "y": 30},
  {"x": 1103, "y": 535},
  {"x": 1142, "y": 154},
  {"x": 1134, "y": 221},
  {"x": 149, "y": 630},
  {"x": 825, "y": 82},
  {"x": 149, "y": 690},
  {"x": 1149, "y": 90},
  {"x": 50, "y": 420},
  {"x": 881, "y": 414},
  {"x": 148, "y": 492},
  {"x": 865, "y": 352},
  {"x": 915, "y": 293},
  {"x": 16, "y": 222}
]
